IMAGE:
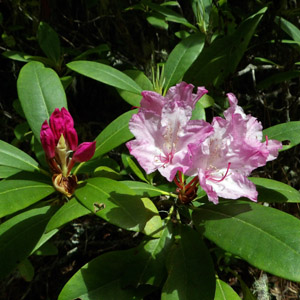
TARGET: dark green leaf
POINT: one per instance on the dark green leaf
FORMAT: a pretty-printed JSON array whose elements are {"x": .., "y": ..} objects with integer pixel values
[
  {"x": 40, "y": 92},
  {"x": 19, "y": 235},
  {"x": 265, "y": 237},
  {"x": 288, "y": 132},
  {"x": 222, "y": 57},
  {"x": 105, "y": 74},
  {"x": 182, "y": 57},
  {"x": 115, "y": 134},
  {"x": 143, "y": 189},
  {"x": 101, "y": 279},
  {"x": 275, "y": 191},
  {"x": 18, "y": 194},
  {"x": 118, "y": 204},
  {"x": 49, "y": 41},
  {"x": 26, "y": 270},
  {"x": 190, "y": 268},
  {"x": 11, "y": 156}
]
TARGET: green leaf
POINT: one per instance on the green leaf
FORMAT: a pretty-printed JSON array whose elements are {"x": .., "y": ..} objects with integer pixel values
[
  {"x": 40, "y": 92},
  {"x": 275, "y": 191},
  {"x": 18, "y": 194},
  {"x": 148, "y": 261},
  {"x": 26, "y": 270},
  {"x": 225, "y": 291},
  {"x": 144, "y": 189},
  {"x": 101, "y": 279},
  {"x": 285, "y": 132},
  {"x": 135, "y": 169},
  {"x": 47, "y": 249},
  {"x": 198, "y": 112},
  {"x": 7, "y": 171},
  {"x": 142, "y": 80},
  {"x": 49, "y": 41},
  {"x": 120, "y": 206},
  {"x": 169, "y": 14},
  {"x": 182, "y": 57},
  {"x": 108, "y": 172},
  {"x": 157, "y": 20},
  {"x": 68, "y": 212},
  {"x": 222, "y": 57},
  {"x": 190, "y": 268},
  {"x": 288, "y": 28},
  {"x": 11, "y": 156},
  {"x": 278, "y": 78},
  {"x": 19, "y": 235},
  {"x": 267, "y": 238},
  {"x": 20, "y": 56},
  {"x": 115, "y": 134},
  {"x": 105, "y": 74}
]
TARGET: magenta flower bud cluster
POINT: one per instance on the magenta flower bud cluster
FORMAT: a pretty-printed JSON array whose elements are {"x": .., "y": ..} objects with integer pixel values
[
  {"x": 59, "y": 139},
  {"x": 221, "y": 154}
]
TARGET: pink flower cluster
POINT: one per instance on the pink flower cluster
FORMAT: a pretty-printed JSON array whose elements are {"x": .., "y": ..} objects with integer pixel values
[
  {"x": 221, "y": 154},
  {"x": 59, "y": 140}
]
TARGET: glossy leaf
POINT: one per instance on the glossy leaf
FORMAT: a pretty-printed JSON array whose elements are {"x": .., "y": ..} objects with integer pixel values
[
  {"x": 135, "y": 169},
  {"x": 6, "y": 171},
  {"x": 144, "y": 189},
  {"x": 288, "y": 132},
  {"x": 18, "y": 194},
  {"x": 12, "y": 157},
  {"x": 157, "y": 20},
  {"x": 225, "y": 291},
  {"x": 105, "y": 74},
  {"x": 40, "y": 92},
  {"x": 265, "y": 237},
  {"x": 148, "y": 261},
  {"x": 115, "y": 134},
  {"x": 19, "y": 235},
  {"x": 190, "y": 268},
  {"x": 49, "y": 41},
  {"x": 182, "y": 57},
  {"x": 101, "y": 279},
  {"x": 278, "y": 78},
  {"x": 68, "y": 212},
  {"x": 169, "y": 14},
  {"x": 118, "y": 204},
  {"x": 142, "y": 80},
  {"x": 289, "y": 28},
  {"x": 274, "y": 191},
  {"x": 222, "y": 57}
]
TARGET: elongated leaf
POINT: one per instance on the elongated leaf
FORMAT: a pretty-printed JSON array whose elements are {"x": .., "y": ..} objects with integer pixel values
[
  {"x": 285, "y": 132},
  {"x": 182, "y": 57},
  {"x": 225, "y": 291},
  {"x": 101, "y": 279},
  {"x": 18, "y": 194},
  {"x": 68, "y": 212},
  {"x": 115, "y": 134},
  {"x": 40, "y": 92},
  {"x": 190, "y": 268},
  {"x": 148, "y": 261},
  {"x": 11, "y": 156},
  {"x": 136, "y": 170},
  {"x": 19, "y": 235},
  {"x": 49, "y": 41},
  {"x": 289, "y": 28},
  {"x": 105, "y": 74},
  {"x": 169, "y": 14},
  {"x": 275, "y": 191},
  {"x": 6, "y": 171},
  {"x": 144, "y": 189},
  {"x": 142, "y": 80},
  {"x": 118, "y": 204},
  {"x": 222, "y": 57},
  {"x": 278, "y": 78},
  {"x": 265, "y": 237}
]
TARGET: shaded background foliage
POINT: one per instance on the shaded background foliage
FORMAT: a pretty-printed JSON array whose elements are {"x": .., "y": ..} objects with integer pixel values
[{"x": 133, "y": 43}]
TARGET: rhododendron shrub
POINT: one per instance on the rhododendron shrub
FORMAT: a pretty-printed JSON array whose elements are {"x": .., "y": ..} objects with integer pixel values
[{"x": 173, "y": 176}]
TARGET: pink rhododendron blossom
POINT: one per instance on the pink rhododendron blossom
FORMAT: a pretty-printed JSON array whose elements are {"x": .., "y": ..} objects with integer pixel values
[
  {"x": 59, "y": 140},
  {"x": 163, "y": 130},
  {"x": 225, "y": 159}
]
